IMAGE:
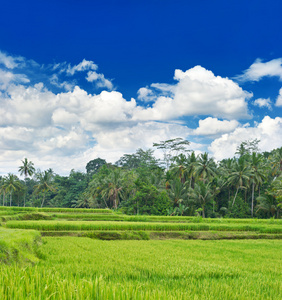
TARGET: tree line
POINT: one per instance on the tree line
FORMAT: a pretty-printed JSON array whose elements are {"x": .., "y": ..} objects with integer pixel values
[{"x": 182, "y": 183}]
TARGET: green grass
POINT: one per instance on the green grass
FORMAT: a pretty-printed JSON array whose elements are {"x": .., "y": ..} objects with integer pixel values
[
  {"x": 51, "y": 209},
  {"x": 81, "y": 268},
  {"x": 19, "y": 246},
  {"x": 150, "y": 226}
]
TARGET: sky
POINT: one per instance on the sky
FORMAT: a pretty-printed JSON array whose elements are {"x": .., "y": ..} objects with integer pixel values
[{"x": 86, "y": 79}]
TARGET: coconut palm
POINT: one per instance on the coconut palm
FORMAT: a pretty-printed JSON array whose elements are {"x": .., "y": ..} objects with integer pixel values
[
  {"x": 11, "y": 184},
  {"x": 112, "y": 188},
  {"x": 27, "y": 169},
  {"x": 276, "y": 162},
  {"x": 257, "y": 174},
  {"x": 177, "y": 191},
  {"x": 239, "y": 176},
  {"x": 45, "y": 184},
  {"x": 201, "y": 194},
  {"x": 205, "y": 167}
]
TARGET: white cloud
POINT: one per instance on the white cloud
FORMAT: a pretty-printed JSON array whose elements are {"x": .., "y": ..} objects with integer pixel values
[
  {"x": 279, "y": 98},
  {"x": 199, "y": 92},
  {"x": 100, "y": 80},
  {"x": 213, "y": 126},
  {"x": 263, "y": 103},
  {"x": 146, "y": 95},
  {"x": 260, "y": 69},
  {"x": 85, "y": 65},
  {"x": 269, "y": 132},
  {"x": 68, "y": 86},
  {"x": 7, "y": 77},
  {"x": 10, "y": 62},
  {"x": 67, "y": 129}
]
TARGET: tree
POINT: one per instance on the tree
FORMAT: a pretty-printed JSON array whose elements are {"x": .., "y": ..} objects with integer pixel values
[
  {"x": 27, "y": 169},
  {"x": 94, "y": 165},
  {"x": 239, "y": 176},
  {"x": 201, "y": 194},
  {"x": 205, "y": 167},
  {"x": 276, "y": 162},
  {"x": 177, "y": 192},
  {"x": 112, "y": 188},
  {"x": 11, "y": 185},
  {"x": 257, "y": 174},
  {"x": 45, "y": 184},
  {"x": 171, "y": 148},
  {"x": 247, "y": 147},
  {"x": 148, "y": 200},
  {"x": 140, "y": 159}
]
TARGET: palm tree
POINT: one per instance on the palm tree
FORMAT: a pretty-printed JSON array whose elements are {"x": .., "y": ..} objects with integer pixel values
[
  {"x": 177, "y": 191},
  {"x": 239, "y": 176},
  {"x": 205, "y": 167},
  {"x": 276, "y": 162},
  {"x": 112, "y": 188},
  {"x": 2, "y": 189},
  {"x": 45, "y": 184},
  {"x": 267, "y": 203},
  {"x": 11, "y": 184},
  {"x": 190, "y": 169},
  {"x": 201, "y": 194},
  {"x": 27, "y": 169},
  {"x": 257, "y": 174}
]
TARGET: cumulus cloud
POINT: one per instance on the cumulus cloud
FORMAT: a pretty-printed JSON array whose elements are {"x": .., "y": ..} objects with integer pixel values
[
  {"x": 199, "y": 92},
  {"x": 99, "y": 79},
  {"x": 56, "y": 123},
  {"x": 146, "y": 95},
  {"x": 279, "y": 98},
  {"x": 263, "y": 103},
  {"x": 260, "y": 69},
  {"x": 7, "y": 77},
  {"x": 269, "y": 132},
  {"x": 213, "y": 126}
]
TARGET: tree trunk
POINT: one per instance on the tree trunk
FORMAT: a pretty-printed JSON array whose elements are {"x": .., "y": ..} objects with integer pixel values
[
  {"x": 43, "y": 200},
  {"x": 253, "y": 192},
  {"x": 235, "y": 196},
  {"x": 10, "y": 199}
]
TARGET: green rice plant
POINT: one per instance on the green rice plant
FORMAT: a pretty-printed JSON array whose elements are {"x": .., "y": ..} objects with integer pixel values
[
  {"x": 19, "y": 246},
  {"x": 53, "y": 209},
  {"x": 81, "y": 268},
  {"x": 150, "y": 226}
]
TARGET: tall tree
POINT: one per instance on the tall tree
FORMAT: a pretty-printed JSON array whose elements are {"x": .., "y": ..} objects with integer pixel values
[
  {"x": 45, "y": 184},
  {"x": 205, "y": 167},
  {"x": 11, "y": 185},
  {"x": 27, "y": 169},
  {"x": 257, "y": 174},
  {"x": 239, "y": 176},
  {"x": 172, "y": 148},
  {"x": 201, "y": 194}
]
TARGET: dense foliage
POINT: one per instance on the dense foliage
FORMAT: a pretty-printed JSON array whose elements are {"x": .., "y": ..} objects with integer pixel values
[{"x": 247, "y": 185}]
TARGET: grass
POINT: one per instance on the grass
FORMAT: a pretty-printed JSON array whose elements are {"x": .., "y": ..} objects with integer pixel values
[
  {"x": 145, "y": 226},
  {"x": 81, "y": 268},
  {"x": 19, "y": 246},
  {"x": 51, "y": 209}
]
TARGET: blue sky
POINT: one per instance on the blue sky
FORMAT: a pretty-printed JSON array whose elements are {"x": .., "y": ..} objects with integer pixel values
[{"x": 87, "y": 79}]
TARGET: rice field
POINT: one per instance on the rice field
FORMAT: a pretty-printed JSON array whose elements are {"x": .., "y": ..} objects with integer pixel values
[
  {"x": 82, "y": 268},
  {"x": 99, "y": 254},
  {"x": 47, "y": 225}
]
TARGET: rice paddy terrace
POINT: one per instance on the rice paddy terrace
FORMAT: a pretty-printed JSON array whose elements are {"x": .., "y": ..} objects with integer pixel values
[{"x": 55, "y": 253}]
